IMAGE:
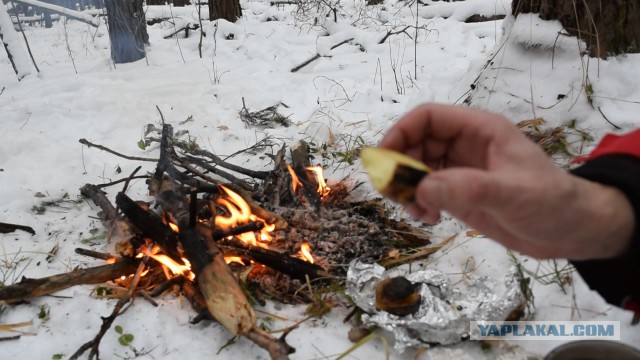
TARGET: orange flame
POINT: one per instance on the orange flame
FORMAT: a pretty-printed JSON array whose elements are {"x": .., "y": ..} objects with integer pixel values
[
  {"x": 323, "y": 189},
  {"x": 175, "y": 268},
  {"x": 305, "y": 252},
  {"x": 240, "y": 213},
  {"x": 295, "y": 182},
  {"x": 235, "y": 259}
]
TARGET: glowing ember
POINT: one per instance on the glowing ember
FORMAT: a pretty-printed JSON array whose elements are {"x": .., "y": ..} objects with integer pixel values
[
  {"x": 295, "y": 182},
  {"x": 235, "y": 259},
  {"x": 174, "y": 227},
  {"x": 175, "y": 268},
  {"x": 305, "y": 252},
  {"x": 240, "y": 214},
  {"x": 323, "y": 189}
]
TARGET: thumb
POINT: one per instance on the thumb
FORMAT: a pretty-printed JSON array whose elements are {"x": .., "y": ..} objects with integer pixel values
[{"x": 458, "y": 190}]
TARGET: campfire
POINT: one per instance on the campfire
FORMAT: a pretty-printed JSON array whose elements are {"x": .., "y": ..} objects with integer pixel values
[{"x": 220, "y": 243}]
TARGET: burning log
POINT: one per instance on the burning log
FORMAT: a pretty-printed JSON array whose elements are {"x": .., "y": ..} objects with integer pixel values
[
  {"x": 301, "y": 163},
  {"x": 32, "y": 288},
  {"x": 223, "y": 295},
  {"x": 150, "y": 225},
  {"x": 294, "y": 267}
]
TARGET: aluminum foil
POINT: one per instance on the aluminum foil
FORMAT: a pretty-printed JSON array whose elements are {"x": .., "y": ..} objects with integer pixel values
[{"x": 446, "y": 307}]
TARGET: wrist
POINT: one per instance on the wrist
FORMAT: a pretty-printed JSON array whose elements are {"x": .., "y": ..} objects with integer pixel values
[{"x": 606, "y": 221}]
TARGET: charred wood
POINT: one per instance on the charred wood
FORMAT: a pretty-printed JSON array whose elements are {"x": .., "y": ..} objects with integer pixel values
[
  {"x": 109, "y": 213},
  {"x": 300, "y": 161},
  {"x": 96, "y": 254},
  {"x": 150, "y": 225},
  {"x": 8, "y": 228},
  {"x": 294, "y": 267}
]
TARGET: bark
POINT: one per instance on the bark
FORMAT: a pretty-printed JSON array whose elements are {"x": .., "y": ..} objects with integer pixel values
[
  {"x": 32, "y": 288},
  {"x": 607, "y": 27},
  {"x": 127, "y": 30},
  {"x": 225, "y": 9}
]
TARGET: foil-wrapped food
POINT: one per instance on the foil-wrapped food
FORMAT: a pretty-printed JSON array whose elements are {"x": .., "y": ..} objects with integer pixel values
[{"x": 472, "y": 279}]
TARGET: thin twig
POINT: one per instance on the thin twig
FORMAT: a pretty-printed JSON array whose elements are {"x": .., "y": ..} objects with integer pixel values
[
  {"x": 126, "y": 183},
  {"x": 119, "y": 309},
  {"x": 607, "y": 120},
  {"x": 87, "y": 143},
  {"x": 122, "y": 180}
]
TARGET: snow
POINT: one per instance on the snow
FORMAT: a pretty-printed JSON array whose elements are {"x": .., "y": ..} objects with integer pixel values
[
  {"x": 12, "y": 43},
  {"x": 349, "y": 95},
  {"x": 85, "y": 17}
]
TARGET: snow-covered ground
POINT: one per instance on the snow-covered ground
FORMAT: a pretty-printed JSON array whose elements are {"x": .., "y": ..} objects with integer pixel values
[{"x": 351, "y": 94}]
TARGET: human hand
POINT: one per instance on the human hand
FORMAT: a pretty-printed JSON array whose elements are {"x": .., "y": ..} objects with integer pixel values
[{"x": 492, "y": 177}]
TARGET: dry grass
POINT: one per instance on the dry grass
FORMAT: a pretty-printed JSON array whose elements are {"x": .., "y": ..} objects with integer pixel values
[{"x": 565, "y": 141}]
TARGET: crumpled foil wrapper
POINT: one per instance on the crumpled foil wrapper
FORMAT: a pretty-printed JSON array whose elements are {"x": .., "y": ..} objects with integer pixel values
[{"x": 446, "y": 307}]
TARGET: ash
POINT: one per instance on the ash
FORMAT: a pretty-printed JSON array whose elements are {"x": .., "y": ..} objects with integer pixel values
[{"x": 341, "y": 230}]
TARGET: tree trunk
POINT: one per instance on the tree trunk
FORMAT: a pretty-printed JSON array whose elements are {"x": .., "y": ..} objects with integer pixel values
[
  {"x": 225, "y": 9},
  {"x": 607, "y": 27},
  {"x": 127, "y": 30}
]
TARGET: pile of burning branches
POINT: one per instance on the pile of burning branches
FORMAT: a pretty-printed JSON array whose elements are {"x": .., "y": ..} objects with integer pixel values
[{"x": 222, "y": 243}]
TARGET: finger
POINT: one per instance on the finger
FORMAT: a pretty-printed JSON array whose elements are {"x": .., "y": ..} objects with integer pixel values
[
  {"x": 460, "y": 191},
  {"x": 434, "y": 121}
]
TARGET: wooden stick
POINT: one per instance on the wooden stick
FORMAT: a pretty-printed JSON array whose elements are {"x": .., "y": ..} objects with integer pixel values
[
  {"x": 87, "y": 143},
  {"x": 31, "y": 288},
  {"x": 8, "y": 228},
  {"x": 109, "y": 213},
  {"x": 317, "y": 56},
  {"x": 96, "y": 254}
]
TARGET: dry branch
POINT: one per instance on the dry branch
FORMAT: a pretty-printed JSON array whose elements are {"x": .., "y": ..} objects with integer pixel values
[
  {"x": 32, "y": 288},
  {"x": 87, "y": 143},
  {"x": 218, "y": 161},
  {"x": 318, "y": 56}
]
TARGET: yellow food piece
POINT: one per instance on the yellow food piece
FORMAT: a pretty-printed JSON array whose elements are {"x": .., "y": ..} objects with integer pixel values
[{"x": 393, "y": 174}]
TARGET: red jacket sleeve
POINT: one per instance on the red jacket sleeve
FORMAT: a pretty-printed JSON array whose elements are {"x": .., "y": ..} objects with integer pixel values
[{"x": 628, "y": 144}]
